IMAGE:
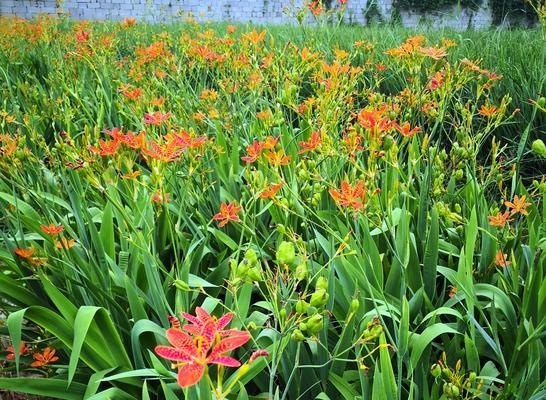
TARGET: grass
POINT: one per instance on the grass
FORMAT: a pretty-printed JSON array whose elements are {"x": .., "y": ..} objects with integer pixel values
[{"x": 372, "y": 221}]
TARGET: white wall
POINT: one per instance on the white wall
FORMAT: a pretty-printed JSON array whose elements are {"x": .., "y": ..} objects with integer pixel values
[{"x": 257, "y": 11}]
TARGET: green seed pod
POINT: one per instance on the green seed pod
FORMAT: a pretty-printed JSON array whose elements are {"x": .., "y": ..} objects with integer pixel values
[
  {"x": 242, "y": 269},
  {"x": 303, "y": 326},
  {"x": 297, "y": 336},
  {"x": 301, "y": 272},
  {"x": 315, "y": 324},
  {"x": 435, "y": 370},
  {"x": 542, "y": 102},
  {"x": 283, "y": 314},
  {"x": 446, "y": 373},
  {"x": 322, "y": 283},
  {"x": 539, "y": 148},
  {"x": 255, "y": 274},
  {"x": 311, "y": 310},
  {"x": 301, "y": 306},
  {"x": 455, "y": 392},
  {"x": 251, "y": 256},
  {"x": 459, "y": 174},
  {"x": 472, "y": 376},
  {"x": 319, "y": 298},
  {"x": 281, "y": 229},
  {"x": 447, "y": 389},
  {"x": 286, "y": 253}
]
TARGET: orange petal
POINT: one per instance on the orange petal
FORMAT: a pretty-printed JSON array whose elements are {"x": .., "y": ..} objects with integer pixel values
[{"x": 190, "y": 374}]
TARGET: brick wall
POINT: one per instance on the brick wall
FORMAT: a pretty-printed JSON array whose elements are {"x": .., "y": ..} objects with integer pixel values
[{"x": 257, "y": 11}]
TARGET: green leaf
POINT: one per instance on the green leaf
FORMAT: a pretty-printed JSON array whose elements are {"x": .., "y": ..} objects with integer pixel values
[
  {"x": 431, "y": 255},
  {"x": 83, "y": 320},
  {"x": 50, "y": 387},
  {"x": 419, "y": 342}
]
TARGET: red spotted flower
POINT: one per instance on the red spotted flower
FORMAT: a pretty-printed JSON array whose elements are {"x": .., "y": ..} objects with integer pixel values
[{"x": 200, "y": 344}]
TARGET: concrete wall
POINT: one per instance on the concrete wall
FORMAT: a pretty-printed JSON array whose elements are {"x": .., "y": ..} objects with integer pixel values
[{"x": 257, "y": 11}]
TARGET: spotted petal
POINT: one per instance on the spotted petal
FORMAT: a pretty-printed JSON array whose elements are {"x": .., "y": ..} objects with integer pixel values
[
  {"x": 192, "y": 319},
  {"x": 203, "y": 315},
  {"x": 182, "y": 341},
  {"x": 209, "y": 334},
  {"x": 232, "y": 332},
  {"x": 223, "y": 321},
  {"x": 190, "y": 374},
  {"x": 229, "y": 344},
  {"x": 170, "y": 353},
  {"x": 192, "y": 329},
  {"x": 225, "y": 360}
]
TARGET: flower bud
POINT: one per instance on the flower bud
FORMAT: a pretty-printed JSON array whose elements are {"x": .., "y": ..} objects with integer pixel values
[
  {"x": 181, "y": 285},
  {"x": 355, "y": 305}
]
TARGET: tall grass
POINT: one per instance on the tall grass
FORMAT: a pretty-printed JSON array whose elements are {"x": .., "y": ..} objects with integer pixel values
[{"x": 381, "y": 268}]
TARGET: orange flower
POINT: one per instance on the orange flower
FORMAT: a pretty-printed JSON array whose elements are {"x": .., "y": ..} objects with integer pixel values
[
  {"x": 405, "y": 130},
  {"x": 374, "y": 120},
  {"x": 349, "y": 196},
  {"x": 128, "y": 22},
  {"x": 83, "y": 36},
  {"x": 47, "y": 357},
  {"x": 253, "y": 152},
  {"x": 487, "y": 111},
  {"x": 161, "y": 198},
  {"x": 315, "y": 7},
  {"x": 502, "y": 260},
  {"x": 312, "y": 144},
  {"x": 452, "y": 292},
  {"x": 133, "y": 94},
  {"x": 106, "y": 148},
  {"x": 270, "y": 142},
  {"x": 270, "y": 191},
  {"x": 23, "y": 349},
  {"x": 24, "y": 252},
  {"x": 499, "y": 220},
  {"x": 436, "y": 53},
  {"x": 228, "y": 212},
  {"x": 518, "y": 205},
  {"x": 277, "y": 158},
  {"x": 156, "y": 118},
  {"x": 52, "y": 229},
  {"x": 64, "y": 243}
]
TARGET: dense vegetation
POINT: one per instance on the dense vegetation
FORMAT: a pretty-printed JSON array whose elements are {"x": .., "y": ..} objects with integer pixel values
[{"x": 284, "y": 213}]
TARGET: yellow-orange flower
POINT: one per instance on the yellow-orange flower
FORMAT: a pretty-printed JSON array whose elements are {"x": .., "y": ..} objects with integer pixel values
[{"x": 518, "y": 205}]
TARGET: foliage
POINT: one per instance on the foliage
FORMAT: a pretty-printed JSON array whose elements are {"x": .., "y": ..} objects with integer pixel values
[{"x": 349, "y": 211}]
